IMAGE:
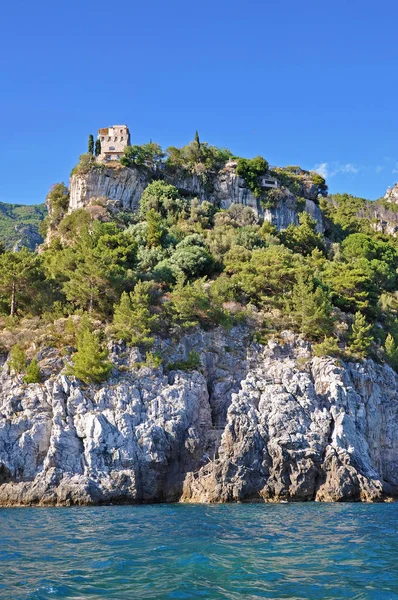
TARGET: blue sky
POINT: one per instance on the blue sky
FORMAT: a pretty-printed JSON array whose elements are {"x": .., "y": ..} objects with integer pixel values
[{"x": 310, "y": 83}]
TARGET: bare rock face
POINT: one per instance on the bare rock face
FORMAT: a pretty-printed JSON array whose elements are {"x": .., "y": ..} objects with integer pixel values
[
  {"x": 123, "y": 187},
  {"x": 391, "y": 194},
  {"x": 254, "y": 424}
]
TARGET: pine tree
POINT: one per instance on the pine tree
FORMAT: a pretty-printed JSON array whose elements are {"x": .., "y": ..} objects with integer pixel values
[
  {"x": 361, "y": 341},
  {"x": 391, "y": 350},
  {"x": 33, "y": 374},
  {"x": 311, "y": 308},
  {"x": 97, "y": 147},
  {"x": 18, "y": 275},
  {"x": 90, "y": 363},
  {"x": 91, "y": 144},
  {"x": 17, "y": 360},
  {"x": 132, "y": 320}
]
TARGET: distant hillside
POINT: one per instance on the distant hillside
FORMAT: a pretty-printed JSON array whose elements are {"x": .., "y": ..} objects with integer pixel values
[{"x": 19, "y": 225}]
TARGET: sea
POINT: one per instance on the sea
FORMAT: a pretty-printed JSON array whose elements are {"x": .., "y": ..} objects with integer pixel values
[{"x": 178, "y": 551}]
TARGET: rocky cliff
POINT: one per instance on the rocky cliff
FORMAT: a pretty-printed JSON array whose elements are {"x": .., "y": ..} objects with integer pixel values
[
  {"x": 262, "y": 423},
  {"x": 122, "y": 187}
]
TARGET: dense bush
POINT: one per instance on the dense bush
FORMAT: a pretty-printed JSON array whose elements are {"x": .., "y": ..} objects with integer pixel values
[{"x": 250, "y": 170}]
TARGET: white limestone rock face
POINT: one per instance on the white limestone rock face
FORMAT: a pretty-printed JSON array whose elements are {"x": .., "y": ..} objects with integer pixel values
[
  {"x": 123, "y": 187},
  {"x": 255, "y": 423},
  {"x": 391, "y": 194}
]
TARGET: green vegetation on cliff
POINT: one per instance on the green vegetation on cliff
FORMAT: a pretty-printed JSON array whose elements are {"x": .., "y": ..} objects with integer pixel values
[
  {"x": 19, "y": 224},
  {"x": 181, "y": 263}
]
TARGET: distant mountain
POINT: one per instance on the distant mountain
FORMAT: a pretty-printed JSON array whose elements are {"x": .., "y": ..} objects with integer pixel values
[{"x": 19, "y": 225}]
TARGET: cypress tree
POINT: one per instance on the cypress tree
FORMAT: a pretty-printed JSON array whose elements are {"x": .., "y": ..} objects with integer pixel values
[
  {"x": 360, "y": 339},
  {"x": 97, "y": 147},
  {"x": 91, "y": 144},
  {"x": 33, "y": 374},
  {"x": 197, "y": 140}
]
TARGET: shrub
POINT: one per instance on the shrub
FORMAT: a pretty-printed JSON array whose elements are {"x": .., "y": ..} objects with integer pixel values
[
  {"x": 90, "y": 362},
  {"x": 33, "y": 374},
  {"x": 191, "y": 363},
  {"x": 57, "y": 202},
  {"x": 250, "y": 170},
  {"x": 161, "y": 197},
  {"x": 328, "y": 347},
  {"x": 17, "y": 361}
]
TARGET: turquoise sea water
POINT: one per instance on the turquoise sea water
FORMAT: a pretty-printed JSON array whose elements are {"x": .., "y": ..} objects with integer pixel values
[{"x": 244, "y": 551}]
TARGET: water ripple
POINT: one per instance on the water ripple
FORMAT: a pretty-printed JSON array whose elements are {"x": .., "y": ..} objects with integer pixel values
[{"x": 234, "y": 552}]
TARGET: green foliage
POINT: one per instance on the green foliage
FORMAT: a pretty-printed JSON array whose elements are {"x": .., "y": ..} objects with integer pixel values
[
  {"x": 90, "y": 146},
  {"x": 345, "y": 214},
  {"x": 197, "y": 157},
  {"x": 19, "y": 224},
  {"x": 97, "y": 147},
  {"x": 191, "y": 259},
  {"x": 328, "y": 347},
  {"x": 190, "y": 364},
  {"x": 20, "y": 277},
  {"x": 57, "y": 202},
  {"x": 153, "y": 359},
  {"x": 133, "y": 321},
  {"x": 320, "y": 182},
  {"x": 302, "y": 238},
  {"x": 93, "y": 272},
  {"x": 360, "y": 341},
  {"x": 391, "y": 351},
  {"x": 271, "y": 197},
  {"x": 289, "y": 178},
  {"x": 33, "y": 374},
  {"x": 149, "y": 155},
  {"x": 198, "y": 265},
  {"x": 311, "y": 308},
  {"x": 193, "y": 303},
  {"x": 162, "y": 198},
  {"x": 86, "y": 164},
  {"x": 262, "y": 276},
  {"x": 155, "y": 229},
  {"x": 90, "y": 362},
  {"x": 17, "y": 360},
  {"x": 250, "y": 170}
]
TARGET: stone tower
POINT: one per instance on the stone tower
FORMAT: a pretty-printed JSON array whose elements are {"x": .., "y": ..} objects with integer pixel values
[{"x": 113, "y": 141}]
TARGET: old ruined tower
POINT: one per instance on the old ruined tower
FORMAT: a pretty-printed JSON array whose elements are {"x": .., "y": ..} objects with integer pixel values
[{"x": 113, "y": 141}]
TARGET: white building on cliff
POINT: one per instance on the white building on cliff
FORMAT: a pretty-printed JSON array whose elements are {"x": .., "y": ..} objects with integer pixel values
[{"x": 113, "y": 141}]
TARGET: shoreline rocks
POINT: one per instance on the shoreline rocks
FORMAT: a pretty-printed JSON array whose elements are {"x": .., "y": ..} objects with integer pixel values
[{"x": 255, "y": 423}]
